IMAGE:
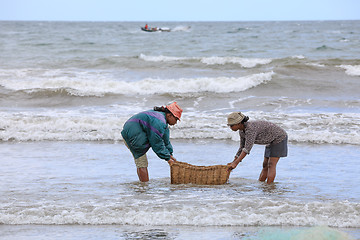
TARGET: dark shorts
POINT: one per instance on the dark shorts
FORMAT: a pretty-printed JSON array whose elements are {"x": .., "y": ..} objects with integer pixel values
[{"x": 277, "y": 150}]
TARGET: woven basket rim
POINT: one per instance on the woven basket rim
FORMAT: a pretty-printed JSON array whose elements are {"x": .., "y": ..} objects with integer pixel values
[
  {"x": 198, "y": 174},
  {"x": 196, "y": 166}
]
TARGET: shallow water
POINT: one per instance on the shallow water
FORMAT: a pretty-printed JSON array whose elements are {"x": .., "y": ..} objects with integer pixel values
[{"x": 91, "y": 183}]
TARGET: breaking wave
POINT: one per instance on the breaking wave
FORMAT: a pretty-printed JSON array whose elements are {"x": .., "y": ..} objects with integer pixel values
[
  {"x": 351, "y": 70},
  {"x": 79, "y": 126},
  {"x": 191, "y": 212},
  {"x": 99, "y": 87},
  {"x": 244, "y": 62}
]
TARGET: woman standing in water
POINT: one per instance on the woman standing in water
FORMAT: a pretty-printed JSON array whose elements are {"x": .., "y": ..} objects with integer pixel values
[
  {"x": 150, "y": 129},
  {"x": 259, "y": 132}
]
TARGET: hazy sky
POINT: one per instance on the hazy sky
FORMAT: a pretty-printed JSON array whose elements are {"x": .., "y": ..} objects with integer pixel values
[{"x": 180, "y": 10}]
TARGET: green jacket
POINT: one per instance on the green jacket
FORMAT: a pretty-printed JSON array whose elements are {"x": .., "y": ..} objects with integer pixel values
[{"x": 148, "y": 129}]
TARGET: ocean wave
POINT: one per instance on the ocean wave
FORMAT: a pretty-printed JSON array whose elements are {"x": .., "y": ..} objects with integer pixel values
[
  {"x": 162, "y": 58},
  {"x": 190, "y": 212},
  {"x": 79, "y": 126},
  {"x": 181, "y": 28},
  {"x": 315, "y": 128},
  {"x": 351, "y": 70},
  {"x": 59, "y": 127},
  {"x": 88, "y": 86},
  {"x": 244, "y": 62},
  {"x": 324, "y": 48}
]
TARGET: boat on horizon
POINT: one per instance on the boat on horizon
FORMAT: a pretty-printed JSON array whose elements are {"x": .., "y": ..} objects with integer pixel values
[{"x": 155, "y": 29}]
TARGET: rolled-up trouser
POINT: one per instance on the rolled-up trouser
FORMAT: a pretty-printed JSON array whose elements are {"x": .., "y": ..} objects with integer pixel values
[{"x": 141, "y": 162}]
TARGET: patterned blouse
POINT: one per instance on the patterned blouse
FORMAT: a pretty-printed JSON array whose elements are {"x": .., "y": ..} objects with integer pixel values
[{"x": 259, "y": 132}]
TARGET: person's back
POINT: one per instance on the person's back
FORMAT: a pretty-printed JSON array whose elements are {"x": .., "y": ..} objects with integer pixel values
[
  {"x": 150, "y": 129},
  {"x": 263, "y": 132},
  {"x": 139, "y": 131}
]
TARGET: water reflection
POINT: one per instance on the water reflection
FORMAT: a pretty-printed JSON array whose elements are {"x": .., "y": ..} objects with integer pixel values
[
  {"x": 241, "y": 187},
  {"x": 269, "y": 188},
  {"x": 149, "y": 234}
]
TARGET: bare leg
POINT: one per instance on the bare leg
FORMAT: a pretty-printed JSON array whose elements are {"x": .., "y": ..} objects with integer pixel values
[
  {"x": 264, "y": 171},
  {"x": 143, "y": 174},
  {"x": 272, "y": 169}
]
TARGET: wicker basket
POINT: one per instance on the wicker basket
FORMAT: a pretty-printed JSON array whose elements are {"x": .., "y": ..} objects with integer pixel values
[{"x": 182, "y": 172}]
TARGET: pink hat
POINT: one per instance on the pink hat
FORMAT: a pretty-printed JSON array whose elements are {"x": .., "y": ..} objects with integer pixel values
[{"x": 175, "y": 109}]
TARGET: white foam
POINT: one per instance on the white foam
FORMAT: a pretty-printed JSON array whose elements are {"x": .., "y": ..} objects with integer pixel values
[
  {"x": 84, "y": 84},
  {"x": 352, "y": 70},
  {"x": 64, "y": 125},
  {"x": 298, "y": 57},
  {"x": 244, "y": 62},
  {"x": 161, "y": 58},
  {"x": 232, "y": 103},
  {"x": 305, "y": 127},
  {"x": 80, "y": 83},
  {"x": 181, "y": 29},
  {"x": 178, "y": 210},
  {"x": 316, "y": 65}
]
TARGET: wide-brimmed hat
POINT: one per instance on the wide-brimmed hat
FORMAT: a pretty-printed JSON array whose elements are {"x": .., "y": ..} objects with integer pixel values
[
  {"x": 235, "y": 118},
  {"x": 175, "y": 109}
]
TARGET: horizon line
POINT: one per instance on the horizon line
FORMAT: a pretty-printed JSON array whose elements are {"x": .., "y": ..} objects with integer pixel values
[{"x": 314, "y": 20}]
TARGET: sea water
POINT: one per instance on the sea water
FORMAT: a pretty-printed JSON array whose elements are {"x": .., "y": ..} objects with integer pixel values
[{"x": 67, "y": 88}]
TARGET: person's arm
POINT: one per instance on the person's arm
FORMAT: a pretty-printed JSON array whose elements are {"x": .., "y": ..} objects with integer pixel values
[
  {"x": 155, "y": 133},
  {"x": 250, "y": 137},
  {"x": 167, "y": 142},
  {"x": 236, "y": 161},
  {"x": 242, "y": 144},
  {"x": 158, "y": 145},
  {"x": 168, "y": 145}
]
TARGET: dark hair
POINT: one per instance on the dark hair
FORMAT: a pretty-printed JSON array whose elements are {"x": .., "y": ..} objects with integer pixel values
[
  {"x": 162, "y": 109},
  {"x": 246, "y": 118}
]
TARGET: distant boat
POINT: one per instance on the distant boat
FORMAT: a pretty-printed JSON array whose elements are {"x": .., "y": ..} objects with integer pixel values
[{"x": 155, "y": 29}]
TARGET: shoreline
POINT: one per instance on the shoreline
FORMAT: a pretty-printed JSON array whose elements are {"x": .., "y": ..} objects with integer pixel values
[{"x": 172, "y": 232}]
